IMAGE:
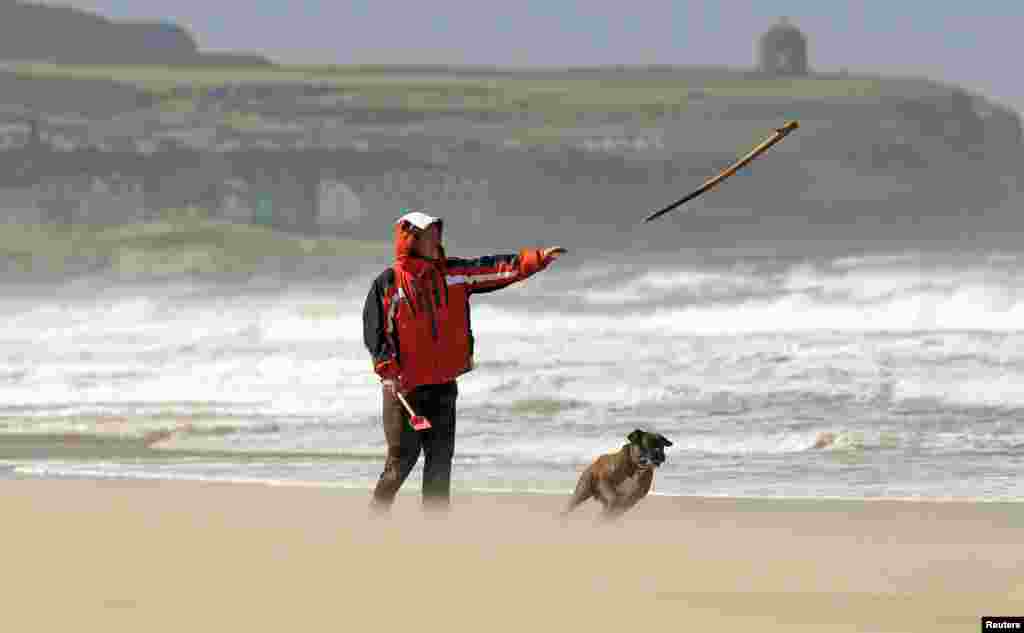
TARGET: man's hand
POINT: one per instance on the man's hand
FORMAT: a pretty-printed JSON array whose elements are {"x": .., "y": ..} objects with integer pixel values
[
  {"x": 390, "y": 386},
  {"x": 551, "y": 254}
]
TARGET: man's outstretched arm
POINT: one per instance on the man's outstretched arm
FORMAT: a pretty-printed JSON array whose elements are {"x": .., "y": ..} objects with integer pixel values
[{"x": 494, "y": 272}]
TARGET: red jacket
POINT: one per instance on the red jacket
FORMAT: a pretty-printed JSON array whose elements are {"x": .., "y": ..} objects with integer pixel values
[{"x": 428, "y": 340}]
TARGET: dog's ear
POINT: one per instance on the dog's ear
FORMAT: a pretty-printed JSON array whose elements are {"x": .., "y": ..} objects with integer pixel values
[
  {"x": 635, "y": 436},
  {"x": 664, "y": 440}
]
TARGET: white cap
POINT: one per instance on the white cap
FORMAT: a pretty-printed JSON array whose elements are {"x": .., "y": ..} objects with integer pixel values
[{"x": 418, "y": 219}]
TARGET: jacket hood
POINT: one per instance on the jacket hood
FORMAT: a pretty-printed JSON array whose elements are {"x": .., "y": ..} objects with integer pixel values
[
  {"x": 405, "y": 228},
  {"x": 422, "y": 280}
]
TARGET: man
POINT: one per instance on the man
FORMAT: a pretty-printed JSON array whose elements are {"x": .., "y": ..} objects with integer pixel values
[{"x": 416, "y": 327}]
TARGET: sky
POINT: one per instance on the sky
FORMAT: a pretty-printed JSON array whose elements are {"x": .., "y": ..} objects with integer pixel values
[{"x": 972, "y": 44}]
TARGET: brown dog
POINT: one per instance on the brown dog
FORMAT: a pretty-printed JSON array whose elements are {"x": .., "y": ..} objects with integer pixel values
[{"x": 620, "y": 480}]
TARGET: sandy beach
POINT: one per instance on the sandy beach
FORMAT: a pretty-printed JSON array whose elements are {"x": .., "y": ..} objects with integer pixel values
[{"x": 154, "y": 556}]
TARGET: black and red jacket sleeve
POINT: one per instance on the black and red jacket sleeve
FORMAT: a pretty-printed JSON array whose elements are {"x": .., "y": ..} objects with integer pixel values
[
  {"x": 494, "y": 272},
  {"x": 379, "y": 334}
]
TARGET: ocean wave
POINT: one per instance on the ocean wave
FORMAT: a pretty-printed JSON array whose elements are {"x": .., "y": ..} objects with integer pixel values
[
  {"x": 782, "y": 443},
  {"x": 153, "y": 430},
  {"x": 579, "y": 449},
  {"x": 963, "y": 309},
  {"x": 543, "y": 406},
  {"x": 878, "y": 332},
  {"x": 968, "y": 387},
  {"x": 692, "y": 286},
  {"x": 916, "y": 292}
]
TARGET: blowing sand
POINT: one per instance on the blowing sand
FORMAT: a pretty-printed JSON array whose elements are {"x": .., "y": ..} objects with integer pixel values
[{"x": 160, "y": 556}]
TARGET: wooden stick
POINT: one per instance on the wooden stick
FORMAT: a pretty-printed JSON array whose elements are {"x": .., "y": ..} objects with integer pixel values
[{"x": 777, "y": 136}]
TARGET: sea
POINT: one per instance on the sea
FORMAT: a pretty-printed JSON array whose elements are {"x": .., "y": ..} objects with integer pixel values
[{"x": 875, "y": 376}]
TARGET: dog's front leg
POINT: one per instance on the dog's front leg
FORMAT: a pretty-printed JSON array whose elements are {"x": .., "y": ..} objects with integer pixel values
[
  {"x": 584, "y": 490},
  {"x": 608, "y": 495}
]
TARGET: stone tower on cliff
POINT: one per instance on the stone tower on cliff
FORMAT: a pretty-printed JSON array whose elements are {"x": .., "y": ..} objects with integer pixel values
[{"x": 783, "y": 50}]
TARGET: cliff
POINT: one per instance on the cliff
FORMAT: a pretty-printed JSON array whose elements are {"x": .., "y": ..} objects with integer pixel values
[
  {"x": 577, "y": 156},
  {"x": 72, "y": 36}
]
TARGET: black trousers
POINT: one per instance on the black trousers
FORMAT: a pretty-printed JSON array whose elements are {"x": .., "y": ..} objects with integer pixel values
[{"x": 437, "y": 404}]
